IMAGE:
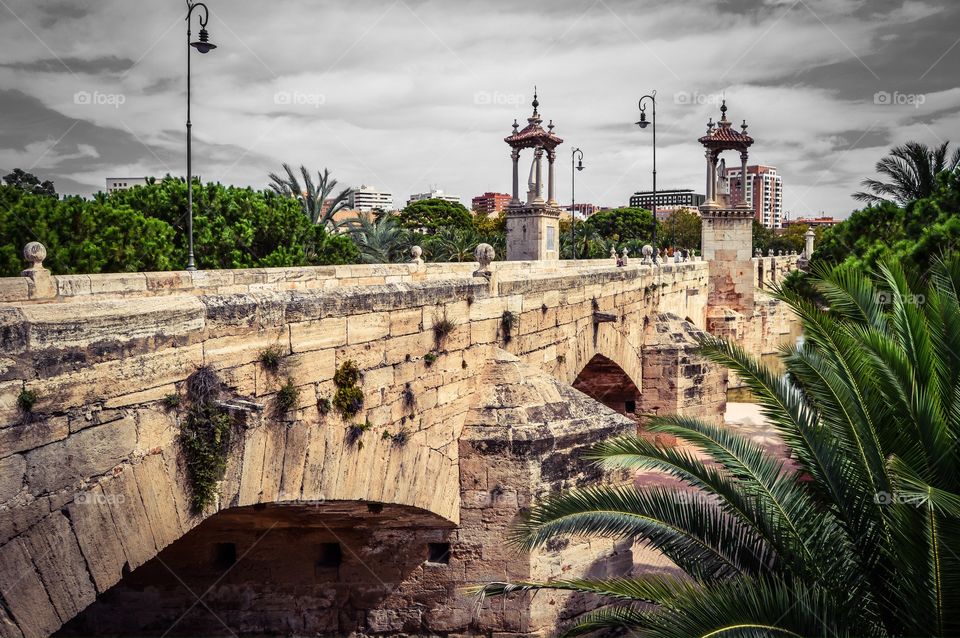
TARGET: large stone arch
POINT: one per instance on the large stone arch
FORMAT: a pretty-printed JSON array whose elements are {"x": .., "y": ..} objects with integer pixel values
[
  {"x": 327, "y": 567},
  {"x": 56, "y": 567}
]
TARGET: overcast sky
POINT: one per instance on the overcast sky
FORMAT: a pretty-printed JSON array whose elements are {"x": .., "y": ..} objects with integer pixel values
[{"x": 410, "y": 94}]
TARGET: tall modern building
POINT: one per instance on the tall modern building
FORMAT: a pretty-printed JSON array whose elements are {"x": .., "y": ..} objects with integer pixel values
[
  {"x": 491, "y": 203},
  {"x": 433, "y": 194},
  {"x": 668, "y": 201},
  {"x": 764, "y": 193},
  {"x": 367, "y": 198},
  {"x": 123, "y": 183}
]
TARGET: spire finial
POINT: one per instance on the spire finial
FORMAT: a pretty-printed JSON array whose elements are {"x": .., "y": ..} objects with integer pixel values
[
  {"x": 743, "y": 126},
  {"x": 536, "y": 102},
  {"x": 516, "y": 126}
]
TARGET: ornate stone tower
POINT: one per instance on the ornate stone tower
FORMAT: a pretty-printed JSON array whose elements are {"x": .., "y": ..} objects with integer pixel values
[
  {"x": 727, "y": 235},
  {"x": 533, "y": 226}
]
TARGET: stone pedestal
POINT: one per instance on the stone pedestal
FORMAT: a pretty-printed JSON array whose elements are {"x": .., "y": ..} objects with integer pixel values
[
  {"x": 727, "y": 243},
  {"x": 533, "y": 232}
]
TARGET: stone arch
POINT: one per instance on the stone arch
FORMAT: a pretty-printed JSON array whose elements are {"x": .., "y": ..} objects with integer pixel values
[
  {"x": 56, "y": 567},
  {"x": 325, "y": 567},
  {"x": 621, "y": 342},
  {"x": 605, "y": 381}
]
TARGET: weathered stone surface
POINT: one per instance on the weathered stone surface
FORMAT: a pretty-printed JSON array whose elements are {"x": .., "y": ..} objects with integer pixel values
[
  {"x": 32, "y": 432},
  {"x": 87, "y": 453},
  {"x": 24, "y": 593},
  {"x": 156, "y": 492},
  {"x": 97, "y": 536},
  {"x": 56, "y": 555},
  {"x": 122, "y": 496},
  {"x": 12, "y": 470}
]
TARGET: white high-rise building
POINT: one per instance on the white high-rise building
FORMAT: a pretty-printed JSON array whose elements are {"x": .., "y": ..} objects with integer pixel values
[
  {"x": 433, "y": 194},
  {"x": 367, "y": 198},
  {"x": 764, "y": 193}
]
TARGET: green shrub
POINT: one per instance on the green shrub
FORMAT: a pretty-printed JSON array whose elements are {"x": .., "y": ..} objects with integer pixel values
[
  {"x": 270, "y": 358},
  {"x": 287, "y": 397},
  {"x": 171, "y": 401},
  {"x": 506, "y": 326},
  {"x": 441, "y": 330},
  {"x": 26, "y": 400},
  {"x": 205, "y": 436},
  {"x": 323, "y": 406},
  {"x": 348, "y": 399},
  {"x": 205, "y": 440},
  {"x": 429, "y": 358}
]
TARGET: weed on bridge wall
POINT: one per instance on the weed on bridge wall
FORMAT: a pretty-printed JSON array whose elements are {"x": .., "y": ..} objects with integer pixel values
[
  {"x": 205, "y": 436},
  {"x": 348, "y": 399},
  {"x": 506, "y": 326}
]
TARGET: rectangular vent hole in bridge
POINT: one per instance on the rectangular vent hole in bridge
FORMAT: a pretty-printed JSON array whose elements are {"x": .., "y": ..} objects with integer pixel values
[
  {"x": 224, "y": 555},
  {"x": 630, "y": 407},
  {"x": 438, "y": 553},
  {"x": 329, "y": 555}
]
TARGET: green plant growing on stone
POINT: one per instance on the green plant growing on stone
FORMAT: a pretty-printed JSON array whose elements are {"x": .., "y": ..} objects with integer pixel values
[
  {"x": 287, "y": 397},
  {"x": 442, "y": 327},
  {"x": 270, "y": 358},
  {"x": 409, "y": 399},
  {"x": 205, "y": 436},
  {"x": 507, "y": 320},
  {"x": 26, "y": 400},
  {"x": 323, "y": 406},
  {"x": 348, "y": 399},
  {"x": 399, "y": 439},
  {"x": 171, "y": 401},
  {"x": 355, "y": 431},
  {"x": 430, "y": 358}
]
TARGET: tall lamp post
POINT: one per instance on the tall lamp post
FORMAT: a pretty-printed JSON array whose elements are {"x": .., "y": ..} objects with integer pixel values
[
  {"x": 576, "y": 164},
  {"x": 203, "y": 45},
  {"x": 652, "y": 98}
]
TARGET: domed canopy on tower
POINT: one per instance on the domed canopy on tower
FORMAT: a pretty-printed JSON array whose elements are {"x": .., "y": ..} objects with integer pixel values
[
  {"x": 533, "y": 135},
  {"x": 721, "y": 136}
]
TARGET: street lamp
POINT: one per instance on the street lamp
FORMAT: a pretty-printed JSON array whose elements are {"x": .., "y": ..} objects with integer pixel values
[
  {"x": 203, "y": 45},
  {"x": 576, "y": 164},
  {"x": 643, "y": 124}
]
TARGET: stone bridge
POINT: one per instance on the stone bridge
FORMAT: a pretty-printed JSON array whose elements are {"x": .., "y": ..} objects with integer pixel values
[{"x": 479, "y": 394}]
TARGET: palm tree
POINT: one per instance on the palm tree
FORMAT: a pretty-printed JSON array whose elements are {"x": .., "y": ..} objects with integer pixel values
[
  {"x": 861, "y": 536},
  {"x": 453, "y": 244},
  {"x": 380, "y": 239},
  {"x": 312, "y": 195},
  {"x": 912, "y": 169}
]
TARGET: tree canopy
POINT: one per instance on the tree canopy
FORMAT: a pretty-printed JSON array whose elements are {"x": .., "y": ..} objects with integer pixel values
[
  {"x": 144, "y": 228},
  {"x": 622, "y": 224},
  {"x": 430, "y": 215}
]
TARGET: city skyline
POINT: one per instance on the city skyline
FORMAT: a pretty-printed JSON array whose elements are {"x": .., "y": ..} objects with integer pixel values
[{"x": 418, "y": 93}]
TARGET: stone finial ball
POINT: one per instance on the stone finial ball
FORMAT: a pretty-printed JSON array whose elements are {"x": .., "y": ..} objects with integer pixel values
[
  {"x": 647, "y": 250},
  {"x": 416, "y": 251},
  {"x": 35, "y": 253},
  {"x": 484, "y": 254}
]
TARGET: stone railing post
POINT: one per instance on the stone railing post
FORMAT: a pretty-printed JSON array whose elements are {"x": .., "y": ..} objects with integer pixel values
[{"x": 39, "y": 280}]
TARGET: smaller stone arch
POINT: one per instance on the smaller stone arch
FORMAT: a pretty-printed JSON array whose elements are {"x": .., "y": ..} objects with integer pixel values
[{"x": 603, "y": 380}]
